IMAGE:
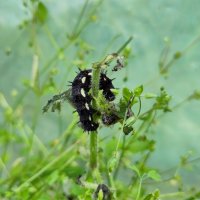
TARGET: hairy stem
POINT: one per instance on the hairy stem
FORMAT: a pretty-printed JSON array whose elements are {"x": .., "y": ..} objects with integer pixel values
[
  {"x": 124, "y": 45},
  {"x": 93, "y": 136},
  {"x": 96, "y": 70},
  {"x": 93, "y": 150}
]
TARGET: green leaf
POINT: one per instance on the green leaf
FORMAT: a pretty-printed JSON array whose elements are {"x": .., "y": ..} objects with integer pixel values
[
  {"x": 130, "y": 121},
  {"x": 195, "y": 95},
  {"x": 150, "y": 95},
  {"x": 149, "y": 197},
  {"x": 162, "y": 101},
  {"x": 127, "y": 129},
  {"x": 112, "y": 163},
  {"x": 153, "y": 174},
  {"x": 142, "y": 144},
  {"x": 153, "y": 196},
  {"x": 115, "y": 91},
  {"x": 41, "y": 13},
  {"x": 127, "y": 94},
  {"x": 100, "y": 195},
  {"x": 122, "y": 107},
  {"x": 138, "y": 90},
  {"x": 177, "y": 55},
  {"x": 127, "y": 52},
  {"x": 135, "y": 169}
]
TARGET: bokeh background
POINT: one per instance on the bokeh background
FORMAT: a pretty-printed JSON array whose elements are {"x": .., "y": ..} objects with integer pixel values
[{"x": 155, "y": 25}]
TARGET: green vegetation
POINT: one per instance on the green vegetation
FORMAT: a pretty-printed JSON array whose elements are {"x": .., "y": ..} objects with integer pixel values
[{"x": 47, "y": 155}]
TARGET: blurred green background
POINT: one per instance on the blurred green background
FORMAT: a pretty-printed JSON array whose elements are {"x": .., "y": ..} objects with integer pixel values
[{"x": 153, "y": 24}]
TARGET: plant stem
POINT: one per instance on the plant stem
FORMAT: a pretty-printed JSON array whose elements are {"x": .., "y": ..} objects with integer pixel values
[
  {"x": 96, "y": 70},
  {"x": 93, "y": 136},
  {"x": 139, "y": 188},
  {"x": 93, "y": 150},
  {"x": 124, "y": 45},
  {"x": 80, "y": 17}
]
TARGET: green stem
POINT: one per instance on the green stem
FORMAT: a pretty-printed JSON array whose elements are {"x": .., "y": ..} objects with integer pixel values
[
  {"x": 175, "y": 194},
  {"x": 93, "y": 150},
  {"x": 80, "y": 17},
  {"x": 139, "y": 189},
  {"x": 93, "y": 136},
  {"x": 95, "y": 80},
  {"x": 124, "y": 45}
]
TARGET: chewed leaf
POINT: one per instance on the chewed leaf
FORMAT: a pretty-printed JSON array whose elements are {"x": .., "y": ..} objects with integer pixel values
[{"x": 56, "y": 100}]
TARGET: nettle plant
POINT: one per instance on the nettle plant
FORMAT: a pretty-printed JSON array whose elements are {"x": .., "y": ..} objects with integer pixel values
[{"x": 93, "y": 95}]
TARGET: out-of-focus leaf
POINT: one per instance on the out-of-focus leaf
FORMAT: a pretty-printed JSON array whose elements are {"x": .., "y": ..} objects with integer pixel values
[
  {"x": 162, "y": 101},
  {"x": 141, "y": 144},
  {"x": 41, "y": 13},
  {"x": 127, "y": 129},
  {"x": 127, "y": 94},
  {"x": 135, "y": 169},
  {"x": 130, "y": 121},
  {"x": 195, "y": 95},
  {"x": 150, "y": 95},
  {"x": 153, "y": 196},
  {"x": 112, "y": 163},
  {"x": 138, "y": 90},
  {"x": 153, "y": 174}
]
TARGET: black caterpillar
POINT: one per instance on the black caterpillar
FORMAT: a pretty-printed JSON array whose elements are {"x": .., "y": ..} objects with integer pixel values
[{"x": 82, "y": 99}]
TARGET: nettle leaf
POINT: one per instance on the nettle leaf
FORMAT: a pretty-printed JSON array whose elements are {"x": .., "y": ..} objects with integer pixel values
[
  {"x": 127, "y": 129},
  {"x": 153, "y": 174},
  {"x": 127, "y": 52},
  {"x": 112, "y": 163},
  {"x": 56, "y": 100},
  {"x": 127, "y": 94},
  {"x": 128, "y": 125},
  {"x": 195, "y": 95},
  {"x": 115, "y": 91},
  {"x": 153, "y": 196},
  {"x": 126, "y": 102},
  {"x": 76, "y": 189},
  {"x": 130, "y": 121},
  {"x": 142, "y": 144},
  {"x": 149, "y": 197},
  {"x": 41, "y": 13},
  {"x": 103, "y": 105},
  {"x": 135, "y": 169},
  {"x": 177, "y": 55},
  {"x": 100, "y": 195},
  {"x": 150, "y": 95},
  {"x": 122, "y": 107},
  {"x": 138, "y": 90},
  {"x": 162, "y": 101}
]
